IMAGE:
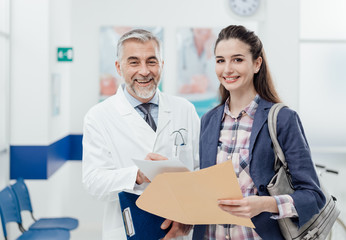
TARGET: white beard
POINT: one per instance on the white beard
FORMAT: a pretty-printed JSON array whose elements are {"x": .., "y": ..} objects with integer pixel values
[{"x": 144, "y": 92}]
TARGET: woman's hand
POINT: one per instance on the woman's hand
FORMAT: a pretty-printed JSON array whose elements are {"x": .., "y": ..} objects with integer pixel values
[{"x": 249, "y": 206}]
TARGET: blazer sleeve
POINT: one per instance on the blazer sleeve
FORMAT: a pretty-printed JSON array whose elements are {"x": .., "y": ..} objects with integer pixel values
[{"x": 308, "y": 197}]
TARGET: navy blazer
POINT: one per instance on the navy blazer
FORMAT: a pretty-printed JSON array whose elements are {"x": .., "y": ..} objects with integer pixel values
[{"x": 308, "y": 197}]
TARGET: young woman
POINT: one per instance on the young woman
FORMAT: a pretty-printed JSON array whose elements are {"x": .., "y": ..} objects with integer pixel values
[{"x": 237, "y": 130}]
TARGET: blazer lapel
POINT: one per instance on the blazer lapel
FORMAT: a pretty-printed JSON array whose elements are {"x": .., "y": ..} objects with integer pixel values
[
  {"x": 260, "y": 118},
  {"x": 211, "y": 138}
]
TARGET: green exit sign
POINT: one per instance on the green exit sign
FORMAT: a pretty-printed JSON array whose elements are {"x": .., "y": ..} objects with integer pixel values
[{"x": 64, "y": 54}]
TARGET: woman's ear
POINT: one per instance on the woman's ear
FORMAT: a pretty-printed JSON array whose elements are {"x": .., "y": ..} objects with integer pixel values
[{"x": 258, "y": 63}]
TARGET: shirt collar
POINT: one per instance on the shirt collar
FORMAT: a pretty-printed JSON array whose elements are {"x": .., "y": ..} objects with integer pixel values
[
  {"x": 135, "y": 102},
  {"x": 250, "y": 109}
]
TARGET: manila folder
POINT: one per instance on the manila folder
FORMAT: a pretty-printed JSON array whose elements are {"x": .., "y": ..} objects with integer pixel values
[{"x": 191, "y": 197}]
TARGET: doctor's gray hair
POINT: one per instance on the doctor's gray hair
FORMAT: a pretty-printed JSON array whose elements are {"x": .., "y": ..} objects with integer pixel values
[{"x": 140, "y": 35}]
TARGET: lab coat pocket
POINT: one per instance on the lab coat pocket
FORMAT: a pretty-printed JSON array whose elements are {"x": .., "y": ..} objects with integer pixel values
[
  {"x": 179, "y": 140},
  {"x": 184, "y": 154}
]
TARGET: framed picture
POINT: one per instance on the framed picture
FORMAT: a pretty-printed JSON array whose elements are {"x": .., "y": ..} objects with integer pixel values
[{"x": 197, "y": 81}]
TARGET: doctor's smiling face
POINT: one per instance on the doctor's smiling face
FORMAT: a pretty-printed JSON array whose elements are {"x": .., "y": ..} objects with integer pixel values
[{"x": 140, "y": 66}]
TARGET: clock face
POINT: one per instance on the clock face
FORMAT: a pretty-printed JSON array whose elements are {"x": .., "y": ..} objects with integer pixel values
[{"x": 244, "y": 7}]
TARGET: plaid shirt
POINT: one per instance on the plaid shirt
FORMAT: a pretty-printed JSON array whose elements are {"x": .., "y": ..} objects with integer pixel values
[{"x": 233, "y": 145}]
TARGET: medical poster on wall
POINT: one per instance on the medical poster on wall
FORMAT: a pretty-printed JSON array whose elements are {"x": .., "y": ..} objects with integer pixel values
[
  {"x": 109, "y": 36},
  {"x": 197, "y": 80}
]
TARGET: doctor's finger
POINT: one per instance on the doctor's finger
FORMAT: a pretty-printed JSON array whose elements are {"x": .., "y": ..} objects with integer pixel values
[
  {"x": 155, "y": 157},
  {"x": 175, "y": 231},
  {"x": 166, "y": 224},
  {"x": 141, "y": 178}
]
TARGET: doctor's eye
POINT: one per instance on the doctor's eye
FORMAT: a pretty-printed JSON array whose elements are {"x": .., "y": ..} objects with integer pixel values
[
  {"x": 133, "y": 63},
  {"x": 152, "y": 63},
  {"x": 220, "y": 60}
]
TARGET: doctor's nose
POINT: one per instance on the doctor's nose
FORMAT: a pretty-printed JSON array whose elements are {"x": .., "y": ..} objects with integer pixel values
[{"x": 144, "y": 70}]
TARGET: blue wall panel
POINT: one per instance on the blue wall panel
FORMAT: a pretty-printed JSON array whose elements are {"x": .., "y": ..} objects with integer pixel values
[
  {"x": 29, "y": 162},
  {"x": 40, "y": 162},
  {"x": 76, "y": 147}
]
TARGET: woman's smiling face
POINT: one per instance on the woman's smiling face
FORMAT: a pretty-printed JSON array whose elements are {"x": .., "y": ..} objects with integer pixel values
[{"x": 235, "y": 67}]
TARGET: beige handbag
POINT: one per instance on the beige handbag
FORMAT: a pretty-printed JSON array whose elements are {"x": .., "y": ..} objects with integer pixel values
[{"x": 321, "y": 223}]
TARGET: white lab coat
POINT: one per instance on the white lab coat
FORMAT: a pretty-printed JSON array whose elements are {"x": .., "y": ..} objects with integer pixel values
[{"x": 114, "y": 133}]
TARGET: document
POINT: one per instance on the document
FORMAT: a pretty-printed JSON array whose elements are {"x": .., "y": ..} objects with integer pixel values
[
  {"x": 153, "y": 168},
  {"x": 191, "y": 197}
]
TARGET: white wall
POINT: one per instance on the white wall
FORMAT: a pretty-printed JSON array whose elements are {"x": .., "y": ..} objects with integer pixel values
[
  {"x": 38, "y": 28},
  {"x": 4, "y": 92},
  {"x": 30, "y": 72},
  {"x": 280, "y": 35},
  {"x": 59, "y": 36}
]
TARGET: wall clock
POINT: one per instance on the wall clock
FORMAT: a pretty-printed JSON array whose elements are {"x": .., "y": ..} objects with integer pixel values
[{"x": 244, "y": 8}]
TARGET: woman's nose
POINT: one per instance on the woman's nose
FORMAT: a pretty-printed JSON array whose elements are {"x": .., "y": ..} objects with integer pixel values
[{"x": 228, "y": 68}]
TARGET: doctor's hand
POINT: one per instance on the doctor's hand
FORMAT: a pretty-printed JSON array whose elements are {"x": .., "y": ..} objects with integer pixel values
[
  {"x": 141, "y": 178},
  {"x": 155, "y": 157},
  {"x": 249, "y": 206},
  {"x": 177, "y": 229}
]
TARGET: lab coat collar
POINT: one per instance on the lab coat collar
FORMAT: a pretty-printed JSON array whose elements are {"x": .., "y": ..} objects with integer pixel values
[
  {"x": 141, "y": 130},
  {"x": 126, "y": 109}
]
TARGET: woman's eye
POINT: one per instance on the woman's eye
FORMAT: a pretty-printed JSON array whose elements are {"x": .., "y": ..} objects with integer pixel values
[
  {"x": 238, "y": 60},
  {"x": 220, "y": 61}
]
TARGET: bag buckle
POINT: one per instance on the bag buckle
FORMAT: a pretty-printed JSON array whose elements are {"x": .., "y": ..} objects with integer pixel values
[{"x": 311, "y": 234}]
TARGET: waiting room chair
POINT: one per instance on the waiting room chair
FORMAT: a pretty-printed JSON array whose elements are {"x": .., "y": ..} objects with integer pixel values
[
  {"x": 22, "y": 193},
  {"x": 9, "y": 212}
]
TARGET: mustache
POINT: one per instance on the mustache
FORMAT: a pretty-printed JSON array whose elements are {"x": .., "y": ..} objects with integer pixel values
[{"x": 143, "y": 79}]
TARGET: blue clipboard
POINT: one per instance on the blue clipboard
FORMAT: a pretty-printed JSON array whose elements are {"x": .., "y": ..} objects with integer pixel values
[{"x": 139, "y": 224}]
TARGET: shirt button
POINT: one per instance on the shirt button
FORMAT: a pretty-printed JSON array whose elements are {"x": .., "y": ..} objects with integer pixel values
[
  {"x": 229, "y": 157},
  {"x": 236, "y": 120},
  {"x": 233, "y": 138},
  {"x": 261, "y": 188}
]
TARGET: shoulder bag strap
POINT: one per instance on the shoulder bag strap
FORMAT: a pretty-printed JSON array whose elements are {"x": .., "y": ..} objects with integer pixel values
[{"x": 272, "y": 120}]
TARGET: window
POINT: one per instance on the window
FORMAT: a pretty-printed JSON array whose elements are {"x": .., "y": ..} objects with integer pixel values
[
  {"x": 322, "y": 79},
  {"x": 322, "y": 92}
]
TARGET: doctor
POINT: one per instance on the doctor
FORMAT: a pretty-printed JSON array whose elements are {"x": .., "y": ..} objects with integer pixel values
[{"x": 117, "y": 130}]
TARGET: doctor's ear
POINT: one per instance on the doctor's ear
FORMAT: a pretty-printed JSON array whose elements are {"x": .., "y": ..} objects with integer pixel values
[{"x": 117, "y": 66}]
